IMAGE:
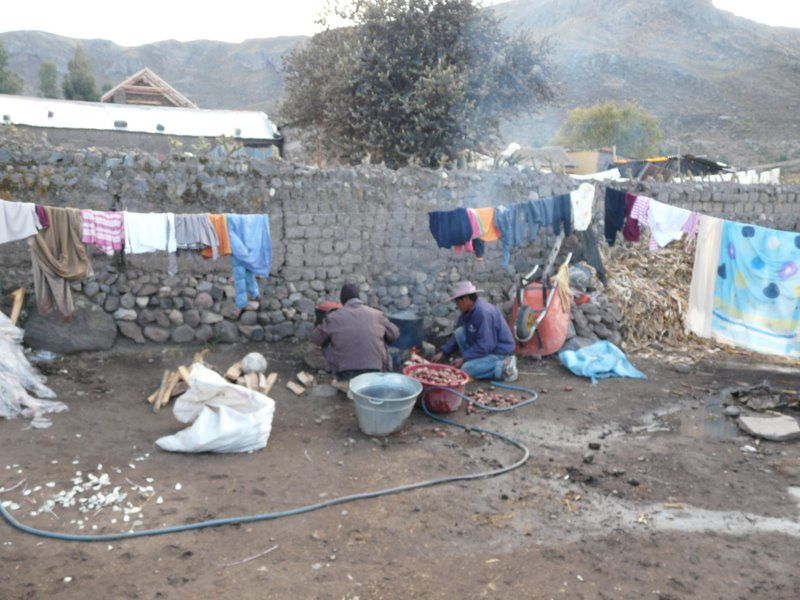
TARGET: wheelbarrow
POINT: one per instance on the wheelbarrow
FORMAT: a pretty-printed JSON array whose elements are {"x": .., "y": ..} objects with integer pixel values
[{"x": 540, "y": 314}]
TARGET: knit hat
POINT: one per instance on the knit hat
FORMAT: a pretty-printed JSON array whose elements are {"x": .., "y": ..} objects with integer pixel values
[{"x": 349, "y": 291}]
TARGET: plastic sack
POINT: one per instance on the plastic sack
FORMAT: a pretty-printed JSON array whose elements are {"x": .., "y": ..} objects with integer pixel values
[
  {"x": 18, "y": 377},
  {"x": 598, "y": 361},
  {"x": 225, "y": 417}
]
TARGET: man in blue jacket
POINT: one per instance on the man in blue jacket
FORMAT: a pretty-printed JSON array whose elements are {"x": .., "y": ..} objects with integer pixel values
[{"x": 482, "y": 336}]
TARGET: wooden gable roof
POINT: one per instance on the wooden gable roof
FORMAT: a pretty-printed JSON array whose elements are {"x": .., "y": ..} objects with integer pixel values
[{"x": 148, "y": 89}]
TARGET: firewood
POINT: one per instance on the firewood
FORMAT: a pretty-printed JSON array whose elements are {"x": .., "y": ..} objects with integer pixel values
[
  {"x": 306, "y": 379},
  {"x": 251, "y": 381},
  {"x": 159, "y": 392},
  {"x": 234, "y": 372},
  {"x": 174, "y": 378},
  {"x": 268, "y": 383},
  {"x": 262, "y": 381},
  {"x": 241, "y": 381},
  {"x": 19, "y": 296},
  {"x": 184, "y": 373},
  {"x": 179, "y": 389},
  {"x": 199, "y": 356},
  {"x": 299, "y": 390}
]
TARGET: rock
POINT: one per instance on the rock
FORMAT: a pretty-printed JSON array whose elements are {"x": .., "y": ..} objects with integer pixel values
[
  {"x": 192, "y": 317},
  {"x": 90, "y": 328},
  {"x": 148, "y": 289},
  {"x": 203, "y": 333},
  {"x": 91, "y": 289},
  {"x": 255, "y": 362},
  {"x": 778, "y": 429},
  {"x": 175, "y": 317},
  {"x": 254, "y": 333},
  {"x": 588, "y": 458},
  {"x": 230, "y": 310},
  {"x": 142, "y": 301},
  {"x": 682, "y": 368},
  {"x": 127, "y": 300},
  {"x": 203, "y": 300},
  {"x": 248, "y": 317},
  {"x": 731, "y": 411},
  {"x": 227, "y": 332},
  {"x": 156, "y": 334},
  {"x": 303, "y": 329},
  {"x": 313, "y": 357},
  {"x": 131, "y": 330},
  {"x": 111, "y": 304},
  {"x": 634, "y": 482},
  {"x": 209, "y": 318},
  {"x": 323, "y": 390},
  {"x": 281, "y": 330},
  {"x": 125, "y": 314},
  {"x": 594, "y": 446},
  {"x": 577, "y": 343},
  {"x": 183, "y": 334}
]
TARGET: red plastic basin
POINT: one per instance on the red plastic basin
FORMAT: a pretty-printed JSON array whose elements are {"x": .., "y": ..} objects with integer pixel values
[{"x": 439, "y": 400}]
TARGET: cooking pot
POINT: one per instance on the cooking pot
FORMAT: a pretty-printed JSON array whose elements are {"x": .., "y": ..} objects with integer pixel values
[{"x": 412, "y": 330}]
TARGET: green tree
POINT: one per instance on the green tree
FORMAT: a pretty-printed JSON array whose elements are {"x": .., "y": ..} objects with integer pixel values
[
  {"x": 10, "y": 82},
  {"x": 48, "y": 80},
  {"x": 630, "y": 128},
  {"x": 413, "y": 81},
  {"x": 79, "y": 82}
]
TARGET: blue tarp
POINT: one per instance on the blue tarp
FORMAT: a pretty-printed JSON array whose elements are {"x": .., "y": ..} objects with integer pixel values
[{"x": 598, "y": 361}]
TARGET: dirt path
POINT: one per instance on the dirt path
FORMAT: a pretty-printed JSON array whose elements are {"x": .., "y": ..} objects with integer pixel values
[{"x": 670, "y": 505}]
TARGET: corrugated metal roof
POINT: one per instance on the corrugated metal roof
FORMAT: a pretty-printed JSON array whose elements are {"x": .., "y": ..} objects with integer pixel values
[{"x": 168, "y": 120}]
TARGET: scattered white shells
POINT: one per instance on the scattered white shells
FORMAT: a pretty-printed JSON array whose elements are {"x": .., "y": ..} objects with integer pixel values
[
  {"x": 178, "y": 486},
  {"x": 67, "y": 579}
]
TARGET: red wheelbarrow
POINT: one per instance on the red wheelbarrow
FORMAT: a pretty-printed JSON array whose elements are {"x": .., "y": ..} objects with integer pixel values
[{"x": 540, "y": 314}]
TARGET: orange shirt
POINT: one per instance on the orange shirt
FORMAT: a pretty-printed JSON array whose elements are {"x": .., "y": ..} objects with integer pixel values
[
  {"x": 486, "y": 217},
  {"x": 221, "y": 227}
]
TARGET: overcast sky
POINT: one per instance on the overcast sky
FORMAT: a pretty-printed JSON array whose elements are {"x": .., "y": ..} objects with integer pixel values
[{"x": 144, "y": 21}]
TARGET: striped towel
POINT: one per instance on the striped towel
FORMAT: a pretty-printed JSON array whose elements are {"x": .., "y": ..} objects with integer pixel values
[{"x": 104, "y": 229}]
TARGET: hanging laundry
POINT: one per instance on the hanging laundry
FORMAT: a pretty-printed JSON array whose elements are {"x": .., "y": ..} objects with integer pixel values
[
  {"x": 450, "y": 227},
  {"x": 614, "y": 214},
  {"x": 221, "y": 228},
  {"x": 519, "y": 223},
  {"x": 489, "y": 232},
  {"x": 251, "y": 253},
  {"x": 631, "y": 231},
  {"x": 757, "y": 292},
  {"x": 582, "y": 201},
  {"x": 195, "y": 232},
  {"x": 58, "y": 256},
  {"x": 666, "y": 223},
  {"x": 17, "y": 221},
  {"x": 474, "y": 232},
  {"x": 41, "y": 216},
  {"x": 704, "y": 276},
  {"x": 104, "y": 229},
  {"x": 149, "y": 232}
]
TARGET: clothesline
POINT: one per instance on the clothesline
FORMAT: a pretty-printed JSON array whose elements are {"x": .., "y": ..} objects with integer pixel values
[{"x": 60, "y": 235}]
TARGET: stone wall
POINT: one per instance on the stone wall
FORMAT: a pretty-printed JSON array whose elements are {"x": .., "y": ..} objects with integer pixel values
[{"x": 365, "y": 224}]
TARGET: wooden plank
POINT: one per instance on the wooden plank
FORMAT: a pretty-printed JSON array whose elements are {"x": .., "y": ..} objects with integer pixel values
[
  {"x": 270, "y": 381},
  {"x": 262, "y": 381},
  {"x": 19, "y": 296},
  {"x": 306, "y": 379},
  {"x": 251, "y": 381},
  {"x": 298, "y": 389},
  {"x": 234, "y": 372},
  {"x": 174, "y": 378},
  {"x": 184, "y": 373},
  {"x": 161, "y": 388},
  {"x": 199, "y": 356}
]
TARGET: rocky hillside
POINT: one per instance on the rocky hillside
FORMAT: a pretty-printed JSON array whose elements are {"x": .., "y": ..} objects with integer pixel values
[
  {"x": 720, "y": 84},
  {"x": 211, "y": 74}
]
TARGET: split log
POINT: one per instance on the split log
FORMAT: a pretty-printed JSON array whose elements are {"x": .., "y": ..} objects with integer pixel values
[
  {"x": 306, "y": 379},
  {"x": 251, "y": 381},
  {"x": 166, "y": 393},
  {"x": 156, "y": 401},
  {"x": 299, "y": 390},
  {"x": 19, "y": 296},
  {"x": 199, "y": 356},
  {"x": 268, "y": 383},
  {"x": 234, "y": 372},
  {"x": 184, "y": 373}
]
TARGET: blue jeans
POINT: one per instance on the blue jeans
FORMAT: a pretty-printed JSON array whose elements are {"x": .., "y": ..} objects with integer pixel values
[
  {"x": 485, "y": 367},
  {"x": 244, "y": 282}
]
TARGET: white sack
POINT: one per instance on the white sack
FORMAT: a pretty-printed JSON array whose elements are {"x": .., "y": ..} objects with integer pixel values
[
  {"x": 18, "y": 377},
  {"x": 225, "y": 417}
]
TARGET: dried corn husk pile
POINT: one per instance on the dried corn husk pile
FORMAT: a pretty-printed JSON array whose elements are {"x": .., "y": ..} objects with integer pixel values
[{"x": 652, "y": 289}]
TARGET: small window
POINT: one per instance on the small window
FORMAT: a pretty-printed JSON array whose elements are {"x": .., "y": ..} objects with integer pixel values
[
  {"x": 160, "y": 127},
  {"x": 238, "y": 132},
  {"x": 120, "y": 123},
  {"x": 49, "y": 114},
  {"x": 6, "y": 118}
]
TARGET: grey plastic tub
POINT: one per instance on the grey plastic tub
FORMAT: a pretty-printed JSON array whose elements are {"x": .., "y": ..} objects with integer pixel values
[{"x": 383, "y": 401}]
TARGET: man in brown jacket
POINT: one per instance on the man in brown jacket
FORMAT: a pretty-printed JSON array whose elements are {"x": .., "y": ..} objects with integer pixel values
[{"x": 354, "y": 338}]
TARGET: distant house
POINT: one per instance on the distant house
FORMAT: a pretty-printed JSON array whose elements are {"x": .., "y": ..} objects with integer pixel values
[
  {"x": 81, "y": 124},
  {"x": 147, "y": 89},
  {"x": 586, "y": 162}
]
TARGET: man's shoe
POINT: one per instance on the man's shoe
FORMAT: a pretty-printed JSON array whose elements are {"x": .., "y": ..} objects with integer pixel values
[{"x": 510, "y": 372}]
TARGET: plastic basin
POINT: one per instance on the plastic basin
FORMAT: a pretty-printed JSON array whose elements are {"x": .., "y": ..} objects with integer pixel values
[
  {"x": 439, "y": 400},
  {"x": 383, "y": 401}
]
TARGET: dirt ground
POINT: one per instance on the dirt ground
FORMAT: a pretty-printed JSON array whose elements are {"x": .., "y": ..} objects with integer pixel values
[{"x": 673, "y": 504}]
